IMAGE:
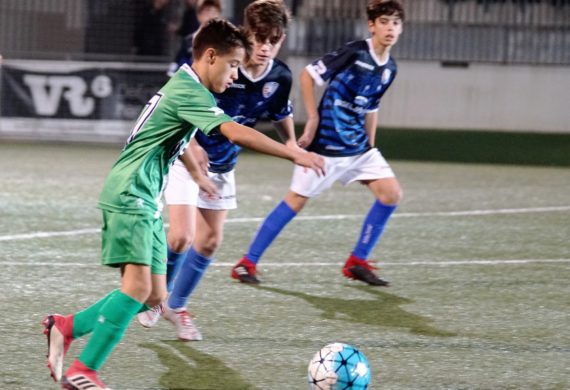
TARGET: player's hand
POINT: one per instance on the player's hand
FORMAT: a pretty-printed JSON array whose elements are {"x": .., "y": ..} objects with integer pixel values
[
  {"x": 292, "y": 144},
  {"x": 207, "y": 187},
  {"x": 312, "y": 161},
  {"x": 309, "y": 132}
]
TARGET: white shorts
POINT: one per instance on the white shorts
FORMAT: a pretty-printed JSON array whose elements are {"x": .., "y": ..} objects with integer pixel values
[
  {"x": 182, "y": 189},
  {"x": 368, "y": 166}
]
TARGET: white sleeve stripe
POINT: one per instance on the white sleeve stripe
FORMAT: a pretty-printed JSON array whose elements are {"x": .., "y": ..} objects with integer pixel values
[{"x": 318, "y": 79}]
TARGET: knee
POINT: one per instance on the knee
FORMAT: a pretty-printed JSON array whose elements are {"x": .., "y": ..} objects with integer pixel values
[
  {"x": 209, "y": 245},
  {"x": 139, "y": 290},
  {"x": 179, "y": 242},
  {"x": 392, "y": 197},
  {"x": 295, "y": 201}
]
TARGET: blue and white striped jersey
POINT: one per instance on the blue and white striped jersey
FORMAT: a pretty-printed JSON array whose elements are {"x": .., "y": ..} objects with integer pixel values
[
  {"x": 357, "y": 82},
  {"x": 247, "y": 101}
]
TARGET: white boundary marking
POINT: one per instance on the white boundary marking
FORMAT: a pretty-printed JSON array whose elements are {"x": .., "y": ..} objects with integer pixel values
[
  {"x": 465, "y": 213},
  {"x": 427, "y": 263}
]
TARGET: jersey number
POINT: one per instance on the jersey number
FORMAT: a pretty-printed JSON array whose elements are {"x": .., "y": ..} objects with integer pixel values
[{"x": 145, "y": 115}]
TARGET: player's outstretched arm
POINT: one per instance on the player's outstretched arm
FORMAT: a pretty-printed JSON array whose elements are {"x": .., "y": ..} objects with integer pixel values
[{"x": 252, "y": 139}]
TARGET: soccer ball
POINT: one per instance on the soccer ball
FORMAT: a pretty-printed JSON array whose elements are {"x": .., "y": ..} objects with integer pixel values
[{"x": 339, "y": 366}]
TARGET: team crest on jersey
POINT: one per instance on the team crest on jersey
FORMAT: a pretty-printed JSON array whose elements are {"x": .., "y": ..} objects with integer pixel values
[
  {"x": 386, "y": 76},
  {"x": 269, "y": 89}
]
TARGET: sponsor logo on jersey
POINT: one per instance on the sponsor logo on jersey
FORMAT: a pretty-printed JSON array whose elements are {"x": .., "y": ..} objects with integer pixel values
[
  {"x": 386, "y": 75},
  {"x": 333, "y": 147},
  {"x": 350, "y": 106},
  {"x": 238, "y": 86},
  {"x": 364, "y": 65},
  {"x": 269, "y": 89},
  {"x": 216, "y": 110}
]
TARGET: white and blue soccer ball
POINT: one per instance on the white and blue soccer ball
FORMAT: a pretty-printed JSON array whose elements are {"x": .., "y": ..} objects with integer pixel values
[{"x": 339, "y": 366}]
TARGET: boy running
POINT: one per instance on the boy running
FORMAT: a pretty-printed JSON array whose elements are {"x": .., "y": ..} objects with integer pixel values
[
  {"x": 132, "y": 233},
  {"x": 261, "y": 91},
  {"x": 343, "y": 129}
]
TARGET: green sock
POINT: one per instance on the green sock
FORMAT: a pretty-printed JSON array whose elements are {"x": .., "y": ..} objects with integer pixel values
[
  {"x": 84, "y": 321},
  {"x": 112, "y": 321}
]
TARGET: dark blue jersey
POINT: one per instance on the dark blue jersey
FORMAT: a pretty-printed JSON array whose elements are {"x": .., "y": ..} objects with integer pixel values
[
  {"x": 247, "y": 101},
  {"x": 184, "y": 53},
  {"x": 357, "y": 81}
]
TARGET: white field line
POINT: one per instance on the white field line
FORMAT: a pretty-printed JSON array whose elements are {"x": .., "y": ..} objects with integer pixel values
[
  {"x": 415, "y": 263},
  {"x": 466, "y": 213}
]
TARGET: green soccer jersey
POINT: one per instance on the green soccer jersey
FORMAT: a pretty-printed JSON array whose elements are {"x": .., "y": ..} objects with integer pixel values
[{"x": 162, "y": 132}]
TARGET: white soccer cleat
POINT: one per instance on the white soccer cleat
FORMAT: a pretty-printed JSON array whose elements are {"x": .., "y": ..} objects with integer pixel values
[
  {"x": 186, "y": 330},
  {"x": 149, "y": 318}
]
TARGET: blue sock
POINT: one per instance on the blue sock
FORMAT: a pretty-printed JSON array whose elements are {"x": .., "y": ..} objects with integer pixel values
[
  {"x": 188, "y": 278},
  {"x": 372, "y": 229},
  {"x": 173, "y": 265},
  {"x": 271, "y": 227}
]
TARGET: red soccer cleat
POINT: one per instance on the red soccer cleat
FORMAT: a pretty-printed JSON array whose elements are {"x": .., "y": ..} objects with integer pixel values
[
  {"x": 81, "y": 377},
  {"x": 245, "y": 271},
  {"x": 59, "y": 332},
  {"x": 359, "y": 269}
]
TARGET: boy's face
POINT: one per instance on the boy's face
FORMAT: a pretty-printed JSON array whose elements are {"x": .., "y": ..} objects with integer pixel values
[
  {"x": 385, "y": 30},
  {"x": 264, "y": 49},
  {"x": 223, "y": 69}
]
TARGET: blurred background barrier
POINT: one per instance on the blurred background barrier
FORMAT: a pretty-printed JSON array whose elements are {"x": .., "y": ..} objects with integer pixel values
[
  {"x": 463, "y": 64},
  {"x": 490, "y": 31},
  {"x": 74, "y": 101}
]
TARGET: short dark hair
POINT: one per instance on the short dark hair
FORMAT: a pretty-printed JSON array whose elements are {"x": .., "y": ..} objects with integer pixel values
[
  {"x": 220, "y": 35},
  {"x": 209, "y": 3},
  {"x": 266, "y": 19},
  {"x": 377, "y": 8}
]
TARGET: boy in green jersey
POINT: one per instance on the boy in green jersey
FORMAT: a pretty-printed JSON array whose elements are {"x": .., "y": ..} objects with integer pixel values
[{"x": 133, "y": 237}]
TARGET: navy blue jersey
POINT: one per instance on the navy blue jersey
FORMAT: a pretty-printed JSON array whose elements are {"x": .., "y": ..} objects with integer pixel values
[
  {"x": 357, "y": 82},
  {"x": 247, "y": 101},
  {"x": 184, "y": 53}
]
